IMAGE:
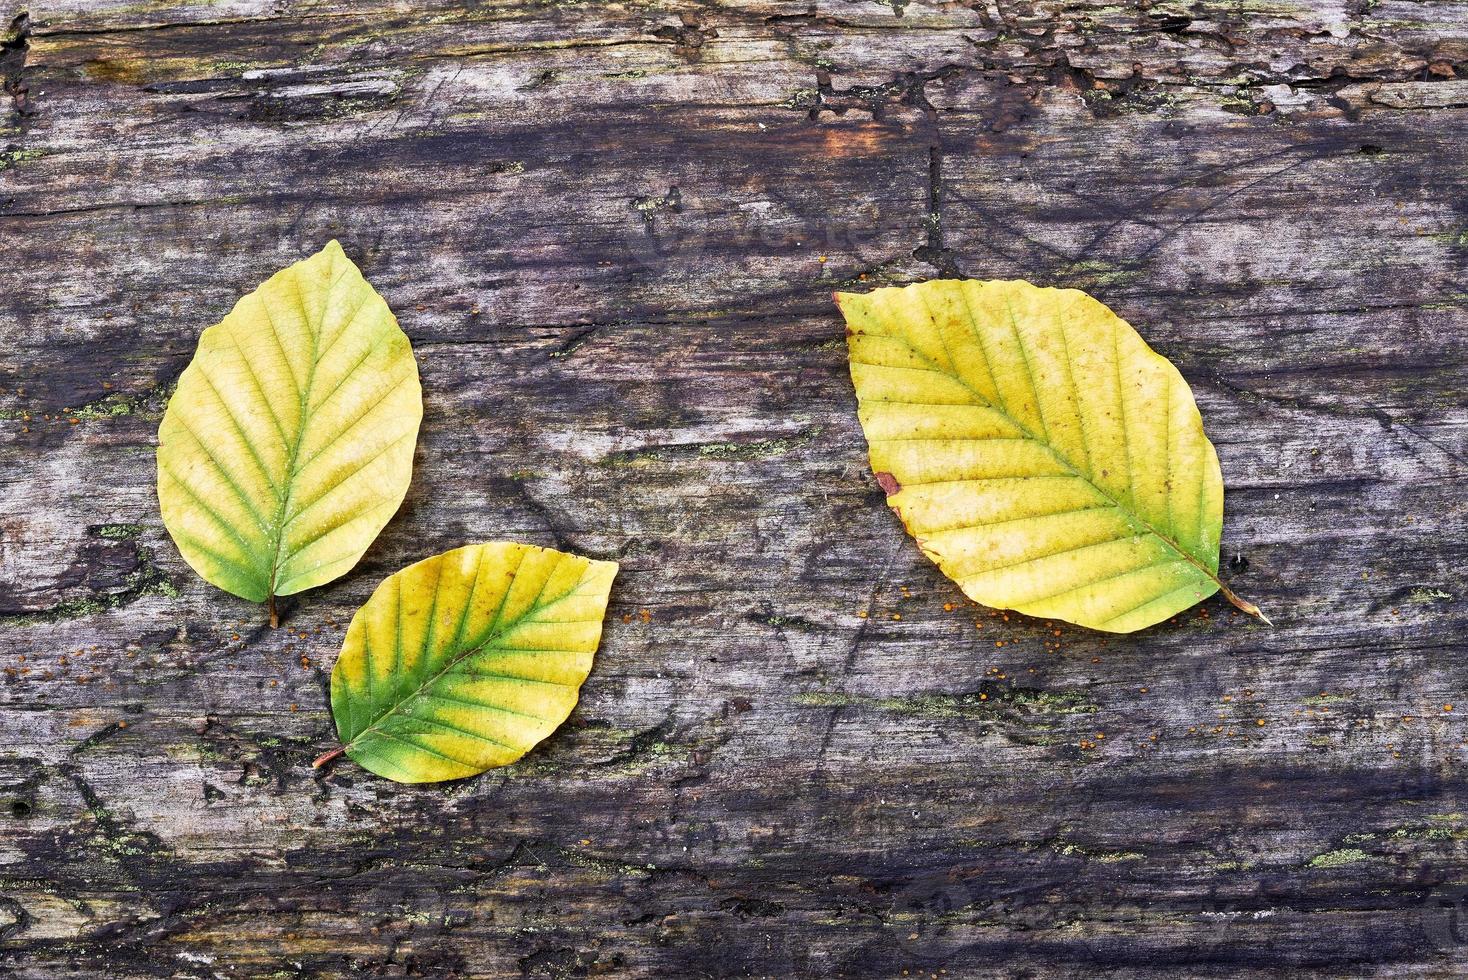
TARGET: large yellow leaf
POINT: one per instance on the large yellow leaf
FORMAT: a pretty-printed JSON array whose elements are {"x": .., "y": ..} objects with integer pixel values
[
  {"x": 289, "y": 443},
  {"x": 1040, "y": 452},
  {"x": 466, "y": 660}
]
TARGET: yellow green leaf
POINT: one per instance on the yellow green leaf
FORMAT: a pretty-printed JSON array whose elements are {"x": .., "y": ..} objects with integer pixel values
[
  {"x": 466, "y": 660},
  {"x": 289, "y": 442},
  {"x": 1038, "y": 450}
]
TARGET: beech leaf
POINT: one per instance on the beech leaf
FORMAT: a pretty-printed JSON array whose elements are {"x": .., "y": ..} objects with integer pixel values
[
  {"x": 1038, "y": 450},
  {"x": 289, "y": 442},
  {"x": 466, "y": 660}
]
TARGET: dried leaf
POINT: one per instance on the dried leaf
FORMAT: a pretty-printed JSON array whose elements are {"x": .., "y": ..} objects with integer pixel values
[
  {"x": 466, "y": 660},
  {"x": 1038, "y": 450},
  {"x": 289, "y": 442}
]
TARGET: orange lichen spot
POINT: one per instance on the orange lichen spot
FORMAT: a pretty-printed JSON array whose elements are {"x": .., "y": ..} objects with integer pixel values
[
  {"x": 983, "y": 697},
  {"x": 862, "y": 615},
  {"x": 999, "y": 643},
  {"x": 1228, "y": 697},
  {"x": 1447, "y": 707},
  {"x": 305, "y": 660},
  {"x": 626, "y": 617},
  {"x": 122, "y": 724},
  {"x": 1259, "y": 722},
  {"x": 1144, "y": 690},
  {"x": 1100, "y": 736},
  {"x": 645, "y": 614},
  {"x": 897, "y": 615},
  {"x": 948, "y": 607},
  {"x": 1095, "y": 660}
]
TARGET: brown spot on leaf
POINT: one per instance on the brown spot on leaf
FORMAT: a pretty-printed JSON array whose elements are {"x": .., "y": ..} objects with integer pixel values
[{"x": 888, "y": 483}]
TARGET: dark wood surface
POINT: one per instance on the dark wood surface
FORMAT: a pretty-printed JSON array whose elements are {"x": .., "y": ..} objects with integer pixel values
[{"x": 611, "y": 231}]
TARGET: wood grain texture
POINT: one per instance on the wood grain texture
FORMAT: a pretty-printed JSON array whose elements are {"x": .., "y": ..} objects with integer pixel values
[{"x": 611, "y": 231}]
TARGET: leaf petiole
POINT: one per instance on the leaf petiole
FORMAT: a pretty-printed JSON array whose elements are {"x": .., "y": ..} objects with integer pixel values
[{"x": 326, "y": 757}]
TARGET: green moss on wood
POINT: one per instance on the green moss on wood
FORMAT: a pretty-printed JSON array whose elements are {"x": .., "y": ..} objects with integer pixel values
[
  {"x": 1339, "y": 858},
  {"x": 973, "y": 705}
]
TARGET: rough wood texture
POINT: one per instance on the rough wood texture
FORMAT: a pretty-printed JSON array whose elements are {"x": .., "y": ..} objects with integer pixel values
[{"x": 611, "y": 231}]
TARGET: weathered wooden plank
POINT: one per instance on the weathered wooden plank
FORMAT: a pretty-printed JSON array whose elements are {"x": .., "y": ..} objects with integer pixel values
[{"x": 611, "y": 232}]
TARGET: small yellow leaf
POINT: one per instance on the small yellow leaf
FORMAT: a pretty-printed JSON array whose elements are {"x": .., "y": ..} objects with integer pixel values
[
  {"x": 289, "y": 442},
  {"x": 1040, "y": 452},
  {"x": 466, "y": 660}
]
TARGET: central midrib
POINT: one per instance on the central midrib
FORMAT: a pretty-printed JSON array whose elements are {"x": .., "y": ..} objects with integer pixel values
[{"x": 293, "y": 458}]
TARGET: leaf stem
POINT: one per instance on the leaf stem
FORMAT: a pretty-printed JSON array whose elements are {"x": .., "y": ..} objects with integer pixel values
[
  {"x": 326, "y": 757},
  {"x": 274, "y": 617},
  {"x": 1243, "y": 604}
]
